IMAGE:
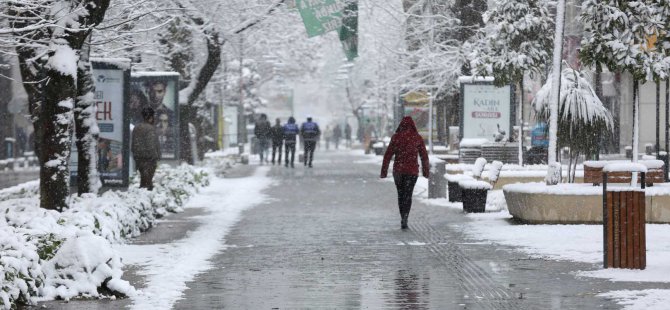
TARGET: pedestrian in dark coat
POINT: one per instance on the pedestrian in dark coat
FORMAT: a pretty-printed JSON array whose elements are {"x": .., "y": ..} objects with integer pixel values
[
  {"x": 406, "y": 145},
  {"x": 277, "y": 135},
  {"x": 347, "y": 134},
  {"x": 146, "y": 148},
  {"x": 262, "y": 132},
  {"x": 310, "y": 133},
  {"x": 291, "y": 131},
  {"x": 337, "y": 135}
]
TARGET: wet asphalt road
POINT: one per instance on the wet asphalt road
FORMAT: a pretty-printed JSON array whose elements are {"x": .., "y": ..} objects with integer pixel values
[
  {"x": 330, "y": 238},
  {"x": 11, "y": 178}
]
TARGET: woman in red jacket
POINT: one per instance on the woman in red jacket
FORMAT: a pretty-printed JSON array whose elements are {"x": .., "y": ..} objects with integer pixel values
[{"x": 406, "y": 144}]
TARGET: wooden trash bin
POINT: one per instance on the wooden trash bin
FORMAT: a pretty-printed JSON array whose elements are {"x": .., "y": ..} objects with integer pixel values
[{"x": 624, "y": 221}]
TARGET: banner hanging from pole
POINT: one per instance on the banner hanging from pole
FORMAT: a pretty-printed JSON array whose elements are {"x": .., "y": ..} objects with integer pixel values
[
  {"x": 349, "y": 29},
  {"x": 321, "y": 16}
]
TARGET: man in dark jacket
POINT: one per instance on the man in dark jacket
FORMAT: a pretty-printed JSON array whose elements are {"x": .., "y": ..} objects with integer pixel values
[
  {"x": 146, "y": 148},
  {"x": 406, "y": 145},
  {"x": 277, "y": 133},
  {"x": 347, "y": 134},
  {"x": 290, "y": 133},
  {"x": 309, "y": 132},
  {"x": 262, "y": 132},
  {"x": 337, "y": 135}
]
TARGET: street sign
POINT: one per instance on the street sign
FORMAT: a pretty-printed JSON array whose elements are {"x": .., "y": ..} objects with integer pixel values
[{"x": 321, "y": 16}]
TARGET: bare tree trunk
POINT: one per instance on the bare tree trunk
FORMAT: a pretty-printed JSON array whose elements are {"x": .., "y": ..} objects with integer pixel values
[
  {"x": 86, "y": 131},
  {"x": 56, "y": 119},
  {"x": 6, "y": 118}
]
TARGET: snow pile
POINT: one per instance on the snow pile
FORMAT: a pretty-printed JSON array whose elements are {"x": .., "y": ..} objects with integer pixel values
[
  {"x": 625, "y": 167},
  {"x": 474, "y": 184},
  {"x": 455, "y": 178},
  {"x": 494, "y": 171},
  {"x": 28, "y": 189},
  {"x": 478, "y": 167},
  {"x": 47, "y": 255}
]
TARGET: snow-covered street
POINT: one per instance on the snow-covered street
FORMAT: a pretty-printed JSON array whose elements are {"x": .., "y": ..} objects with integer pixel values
[{"x": 276, "y": 237}]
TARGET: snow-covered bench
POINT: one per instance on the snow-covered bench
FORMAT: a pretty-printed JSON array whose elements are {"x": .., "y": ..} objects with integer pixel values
[{"x": 593, "y": 172}]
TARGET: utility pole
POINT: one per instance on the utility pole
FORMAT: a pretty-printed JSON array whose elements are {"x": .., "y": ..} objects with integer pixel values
[{"x": 241, "y": 119}]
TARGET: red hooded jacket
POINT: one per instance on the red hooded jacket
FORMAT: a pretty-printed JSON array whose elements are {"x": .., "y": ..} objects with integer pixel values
[{"x": 406, "y": 144}]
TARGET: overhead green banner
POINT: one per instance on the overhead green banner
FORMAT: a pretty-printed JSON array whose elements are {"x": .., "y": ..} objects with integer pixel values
[
  {"x": 321, "y": 16},
  {"x": 349, "y": 30}
]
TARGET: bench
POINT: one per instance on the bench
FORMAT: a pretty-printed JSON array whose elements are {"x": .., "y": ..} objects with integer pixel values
[{"x": 593, "y": 172}]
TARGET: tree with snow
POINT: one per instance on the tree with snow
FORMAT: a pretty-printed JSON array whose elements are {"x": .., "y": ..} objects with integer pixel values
[
  {"x": 517, "y": 42},
  {"x": 580, "y": 115},
  {"x": 621, "y": 35},
  {"x": 49, "y": 37}
]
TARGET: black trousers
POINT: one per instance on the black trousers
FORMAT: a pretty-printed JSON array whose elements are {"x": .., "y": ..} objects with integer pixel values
[
  {"x": 309, "y": 151},
  {"x": 290, "y": 149},
  {"x": 404, "y": 183},
  {"x": 147, "y": 170},
  {"x": 275, "y": 147}
]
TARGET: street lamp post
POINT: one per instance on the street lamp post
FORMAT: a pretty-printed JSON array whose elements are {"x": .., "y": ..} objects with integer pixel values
[{"x": 430, "y": 122}]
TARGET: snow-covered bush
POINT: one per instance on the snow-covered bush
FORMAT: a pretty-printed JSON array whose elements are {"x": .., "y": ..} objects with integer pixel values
[
  {"x": 20, "y": 271},
  {"x": 45, "y": 254}
]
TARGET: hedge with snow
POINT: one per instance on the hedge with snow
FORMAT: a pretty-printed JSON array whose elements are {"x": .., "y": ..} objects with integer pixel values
[{"x": 48, "y": 255}]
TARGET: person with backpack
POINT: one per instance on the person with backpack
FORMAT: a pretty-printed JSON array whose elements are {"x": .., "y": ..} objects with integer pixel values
[
  {"x": 291, "y": 131},
  {"x": 262, "y": 132},
  {"x": 310, "y": 133},
  {"x": 406, "y": 145},
  {"x": 277, "y": 136}
]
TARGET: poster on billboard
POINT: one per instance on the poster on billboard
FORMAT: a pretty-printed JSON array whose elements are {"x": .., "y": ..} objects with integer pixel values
[
  {"x": 110, "y": 77},
  {"x": 486, "y": 109},
  {"x": 159, "y": 91},
  {"x": 416, "y": 106}
]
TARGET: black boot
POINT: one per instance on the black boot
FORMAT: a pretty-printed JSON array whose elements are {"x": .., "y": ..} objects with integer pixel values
[{"x": 403, "y": 221}]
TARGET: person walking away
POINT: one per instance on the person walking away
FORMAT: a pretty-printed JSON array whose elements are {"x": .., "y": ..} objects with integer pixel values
[
  {"x": 347, "y": 134},
  {"x": 146, "y": 148},
  {"x": 262, "y": 132},
  {"x": 290, "y": 135},
  {"x": 367, "y": 136},
  {"x": 277, "y": 136},
  {"x": 405, "y": 145},
  {"x": 327, "y": 135},
  {"x": 337, "y": 135},
  {"x": 309, "y": 131}
]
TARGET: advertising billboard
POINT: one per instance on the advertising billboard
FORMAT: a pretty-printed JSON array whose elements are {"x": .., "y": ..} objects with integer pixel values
[
  {"x": 486, "y": 110},
  {"x": 416, "y": 106},
  {"x": 111, "y": 84},
  {"x": 159, "y": 91}
]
